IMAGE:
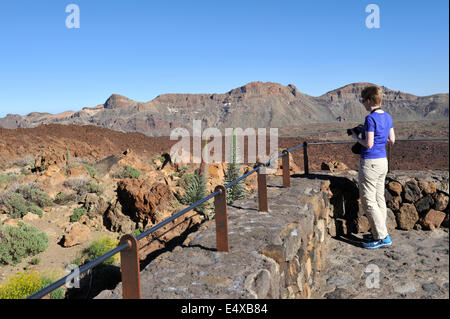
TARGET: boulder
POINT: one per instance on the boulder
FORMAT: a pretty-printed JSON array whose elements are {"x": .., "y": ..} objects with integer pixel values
[
  {"x": 395, "y": 188},
  {"x": 94, "y": 204},
  {"x": 140, "y": 198},
  {"x": 391, "y": 222},
  {"x": 433, "y": 219},
  {"x": 411, "y": 192},
  {"x": 78, "y": 171},
  {"x": 114, "y": 220},
  {"x": 407, "y": 216},
  {"x": 424, "y": 204},
  {"x": 333, "y": 166},
  {"x": 440, "y": 201},
  {"x": 30, "y": 217},
  {"x": 77, "y": 234},
  {"x": 427, "y": 187},
  {"x": 394, "y": 203}
]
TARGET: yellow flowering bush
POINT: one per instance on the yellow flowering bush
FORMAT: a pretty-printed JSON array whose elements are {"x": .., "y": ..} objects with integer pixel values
[
  {"x": 23, "y": 284},
  {"x": 100, "y": 247}
]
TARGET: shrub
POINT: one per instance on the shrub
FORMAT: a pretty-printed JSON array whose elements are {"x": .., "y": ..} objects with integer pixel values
[
  {"x": 24, "y": 198},
  {"x": 131, "y": 172},
  {"x": 40, "y": 197},
  {"x": 6, "y": 178},
  {"x": 195, "y": 189},
  {"x": 101, "y": 246},
  {"x": 16, "y": 205},
  {"x": 22, "y": 285},
  {"x": 35, "y": 210},
  {"x": 77, "y": 213},
  {"x": 91, "y": 170},
  {"x": 95, "y": 188},
  {"x": 24, "y": 161},
  {"x": 79, "y": 185},
  {"x": 63, "y": 198},
  {"x": 20, "y": 242},
  {"x": 31, "y": 192}
]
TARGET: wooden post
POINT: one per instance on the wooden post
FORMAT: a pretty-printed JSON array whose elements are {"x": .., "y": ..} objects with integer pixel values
[
  {"x": 262, "y": 189},
  {"x": 221, "y": 210},
  {"x": 129, "y": 259},
  {"x": 305, "y": 158},
  {"x": 286, "y": 168},
  {"x": 389, "y": 154}
]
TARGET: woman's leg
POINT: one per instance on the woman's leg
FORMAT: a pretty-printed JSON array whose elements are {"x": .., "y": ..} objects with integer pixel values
[
  {"x": 381, "y": 200},
  {"x": 370, "y": 172}
]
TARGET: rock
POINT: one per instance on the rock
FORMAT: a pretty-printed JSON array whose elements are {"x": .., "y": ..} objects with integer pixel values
[
  {"x": 258, "y": 283},
  {"x": 30, "y": 217},
  {"x": 391, "y": 222},
  {"x": 216, "y": 173},
  {"x": 276, "y": 252},
  {"x": 3, "y": 217},
  {"x": 11, "y": 222},
  {"x": 293, "y": 168},
  {"x": 411, "y": 192},
  {"x": 333, "y": 166},
  {"x": 394, "y": 203},
  {"x": 395, "y": 188},
  {"x": 433, "y": 219},
  {"x": 424, "y": 204},
  {"x": 363, "y": 224},
  {"x": 52, "y": 183},
  {"x": 427, "y": 187},
  {"x": 407, "y": 216},
  {"x": 50, "y": 158},
  {"x": 440, "y": 201},
  {"x": 78, "y": 171},
  {"x": 140, "y": 198},
  {"x": 432, "y": 288},
  {"x": 95, "y": 204},
  {"x": 115, "y": 221},
  {"x": 404, "y": 287},
  {"x": 78, "y": 234},
  {"x": 445, "y": 221}
]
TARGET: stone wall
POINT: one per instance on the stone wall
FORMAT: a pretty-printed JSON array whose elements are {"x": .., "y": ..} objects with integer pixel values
[
  {"x": 272, "y": 255},
  {"x": 416, "y": 200}
]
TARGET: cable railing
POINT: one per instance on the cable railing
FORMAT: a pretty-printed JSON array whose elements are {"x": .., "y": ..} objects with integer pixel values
[{"x": 129, "y": 244}]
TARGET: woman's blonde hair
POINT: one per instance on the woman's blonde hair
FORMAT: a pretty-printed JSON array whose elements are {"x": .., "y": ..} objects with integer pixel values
[{"x": 374, "y": 93}]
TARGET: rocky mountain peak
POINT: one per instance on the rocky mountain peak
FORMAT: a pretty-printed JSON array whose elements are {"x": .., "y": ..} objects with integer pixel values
[
  {"x": 263, "y": 89},
  {"x": 116, "y": 101}
]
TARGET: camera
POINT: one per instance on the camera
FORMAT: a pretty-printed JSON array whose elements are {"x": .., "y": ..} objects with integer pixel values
[
  {"x": 358, "y": 130},
  {"x": 356, "y": 149}
]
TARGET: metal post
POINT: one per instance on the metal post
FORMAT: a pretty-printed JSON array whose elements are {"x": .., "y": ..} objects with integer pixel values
[
  {"x": 221, "y": 210},
  {"x": 286, "y": 168},
  {"x": 129, "y": 259},
  {"x": 305, "y": 158},
  {"x": 262, "y": 189}
]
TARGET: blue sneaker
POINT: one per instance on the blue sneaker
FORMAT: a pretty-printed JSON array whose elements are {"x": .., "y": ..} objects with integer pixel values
[{"x": 378, "y": 243}]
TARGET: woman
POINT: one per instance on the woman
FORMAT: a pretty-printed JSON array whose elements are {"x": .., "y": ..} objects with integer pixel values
[{"x": 373, "y": 168}]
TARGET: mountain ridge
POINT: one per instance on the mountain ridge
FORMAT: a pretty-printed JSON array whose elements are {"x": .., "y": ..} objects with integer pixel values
[{"x": 277, "y": 105}]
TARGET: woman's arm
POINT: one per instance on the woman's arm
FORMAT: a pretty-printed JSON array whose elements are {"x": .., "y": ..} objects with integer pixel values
[
  {"x": 368, "y": 142},
  {"x": 391, "y": 138}
]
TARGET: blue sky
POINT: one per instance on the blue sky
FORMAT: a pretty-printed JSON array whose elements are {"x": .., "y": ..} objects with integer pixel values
[{"x": 141, "y": 49}]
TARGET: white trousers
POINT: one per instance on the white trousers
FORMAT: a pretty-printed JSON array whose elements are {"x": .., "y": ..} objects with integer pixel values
[{"x": 371, "y": 176}]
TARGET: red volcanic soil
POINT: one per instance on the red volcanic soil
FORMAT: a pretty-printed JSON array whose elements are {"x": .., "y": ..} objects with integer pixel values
[
  {"x": 96, "y": 143},
  {"x": 405, "y": 155}
]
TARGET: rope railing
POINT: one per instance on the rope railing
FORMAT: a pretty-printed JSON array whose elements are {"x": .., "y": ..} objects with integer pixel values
[{"x": 129, "y": 244}]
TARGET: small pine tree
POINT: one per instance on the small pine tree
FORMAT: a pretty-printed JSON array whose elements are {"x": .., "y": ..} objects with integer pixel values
[{"x": 237, "y": 191}]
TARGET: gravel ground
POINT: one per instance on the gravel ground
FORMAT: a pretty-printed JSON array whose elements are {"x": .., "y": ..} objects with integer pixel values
[{"x": 416, "y": 266}]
